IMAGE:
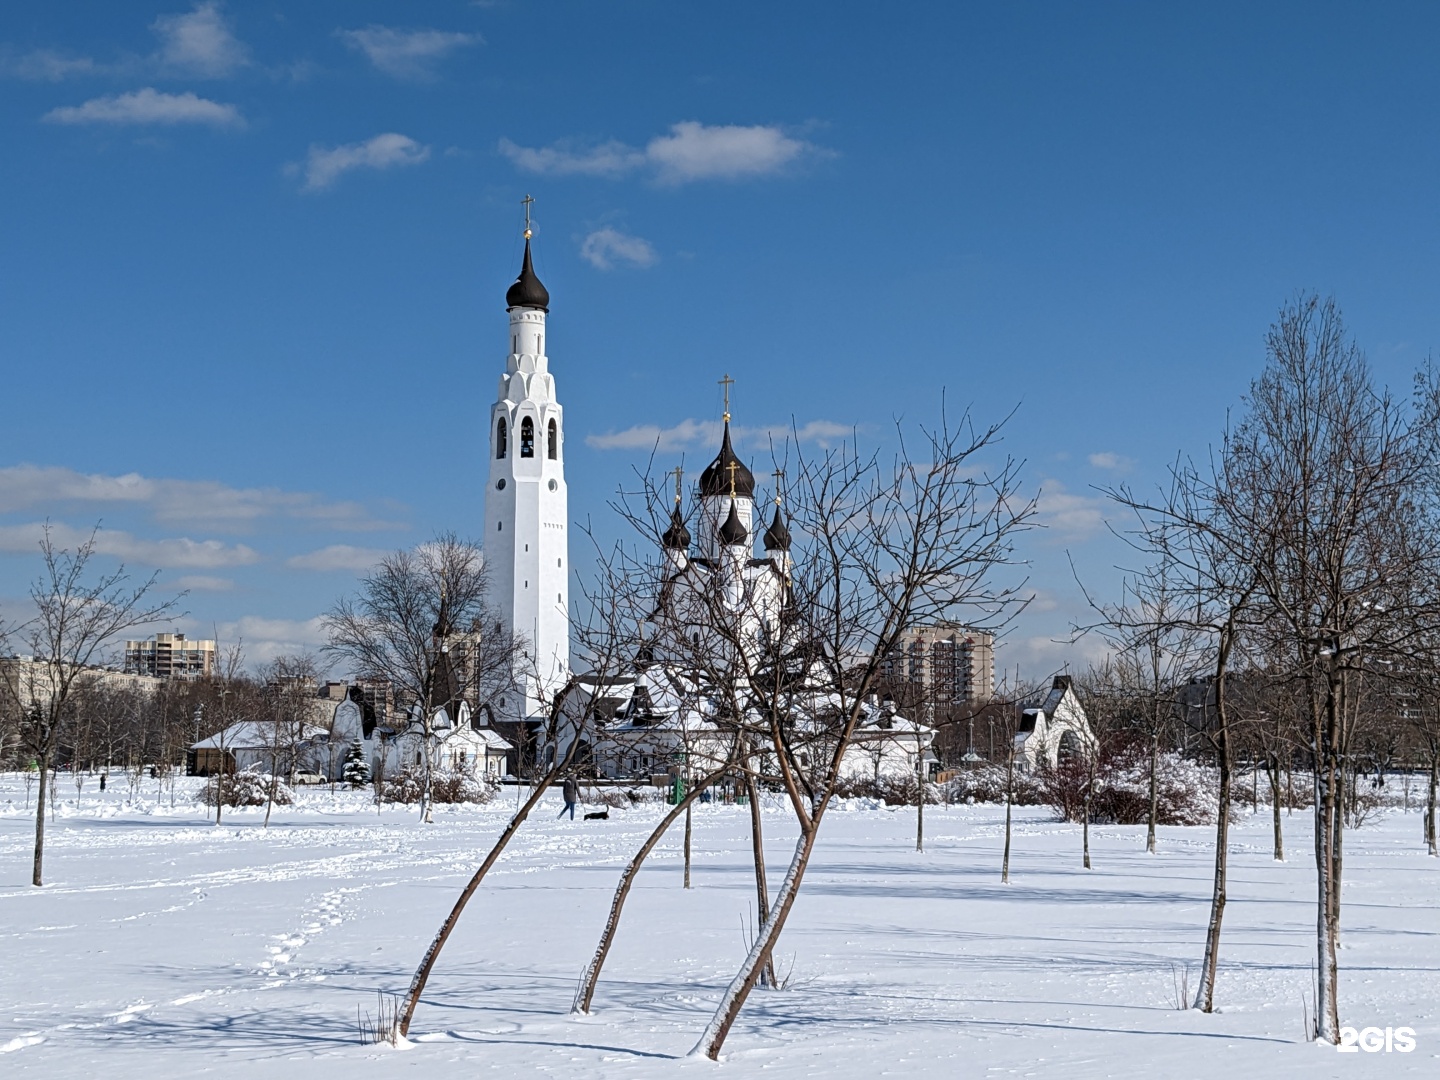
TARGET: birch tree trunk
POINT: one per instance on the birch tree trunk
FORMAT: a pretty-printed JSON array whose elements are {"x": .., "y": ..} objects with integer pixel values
[
  {"x": 1009, "y": 800},
  {"x": 1154, "y": 792},
  {"x": 760, "y": 952},
  {"x": 757, "y": 845},
  {"x": 919, "y": 793},
  {"x": 427, "y": 962},
  {"x": 1329, "y": 812},
  {"x": 1205, "y": 992},
  {"x": 586, "y": 994},
  {"x": 37, "y": 870},
  {"x": 688, "y": 805},
  {"x": 1430, "y": 806},
  {"x": 1272, "y": 773}
]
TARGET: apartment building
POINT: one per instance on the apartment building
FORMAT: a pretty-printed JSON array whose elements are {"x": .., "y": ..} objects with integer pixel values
[{"x": 170, "y": 656}]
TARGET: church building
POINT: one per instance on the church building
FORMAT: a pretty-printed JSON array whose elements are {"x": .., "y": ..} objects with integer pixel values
[
  {"x": 722, "y": 576},
  {"x": 526, "y": 507}
]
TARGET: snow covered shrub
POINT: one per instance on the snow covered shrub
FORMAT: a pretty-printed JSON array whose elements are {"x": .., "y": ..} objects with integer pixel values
[
  {"x": 1185, "y": 791},
  {"x": 891, "y": 790},
  {"x": 986, "y": 783},
  {"x": 607, "y": 797},
  {"x": 446, "y": 786},
  {"x": 243, "y": 789}
]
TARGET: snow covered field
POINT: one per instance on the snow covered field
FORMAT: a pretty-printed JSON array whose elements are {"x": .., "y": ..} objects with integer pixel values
[{"x": 164, "y": 946}]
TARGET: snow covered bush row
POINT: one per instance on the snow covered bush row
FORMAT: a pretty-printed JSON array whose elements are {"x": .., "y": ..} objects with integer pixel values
[
  {"x": 243, "y": 789},
  {"x": 890, "y": 790},
  {"x": 1186, "y": 791},
  {"x": 446, "y": 786}
]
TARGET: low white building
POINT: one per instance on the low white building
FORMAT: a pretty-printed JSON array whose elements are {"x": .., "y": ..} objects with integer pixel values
[
  {"x": 662, "y": 725},
  {"x": 1056, "y": 727},
  {"x": 455, "y": 743},
  {"x": 261, "y": 745}
]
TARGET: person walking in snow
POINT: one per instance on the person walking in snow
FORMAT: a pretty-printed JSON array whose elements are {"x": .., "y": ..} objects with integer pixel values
[{"x": 570, "y": 790}]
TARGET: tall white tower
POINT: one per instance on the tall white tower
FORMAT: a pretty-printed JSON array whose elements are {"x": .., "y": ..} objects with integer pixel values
[{"x": 526, "y": 508}]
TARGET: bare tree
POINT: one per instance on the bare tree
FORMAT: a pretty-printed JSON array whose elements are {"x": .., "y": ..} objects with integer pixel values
[
  {"x": 400, "y": 626},
  {"x": 570, "y": 713},
  {"x": 1156, "y": 649},
  {"x": 290, "y": 692},
  {"x": 78, "y": 611},
  {"x": 586, "y": 993},
  {"x": 883, "y": 550},
  {"x": 1311, "y": 509}
]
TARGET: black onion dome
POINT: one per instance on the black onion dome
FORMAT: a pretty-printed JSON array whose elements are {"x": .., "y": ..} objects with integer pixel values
[
  {"x": 677, "y": 536},
  {"x": 777, "y": 536},
  {"x": 527, "y": 290},
  {"x": 715, "y": 480},
  {"x": 732, "y": 532}
]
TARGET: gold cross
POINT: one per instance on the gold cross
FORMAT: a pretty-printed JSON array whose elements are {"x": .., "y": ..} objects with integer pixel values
[
  {"x": 678, "y": 473},
  {"x": 727, "y": 382},
  {"x": 779, "y": 475},
  {"x": 526, "y": 202},
  {"x": 732, "y": 467}
]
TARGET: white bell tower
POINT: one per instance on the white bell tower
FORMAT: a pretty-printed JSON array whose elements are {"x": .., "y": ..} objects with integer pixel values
[{"x": 526, "y": 508}]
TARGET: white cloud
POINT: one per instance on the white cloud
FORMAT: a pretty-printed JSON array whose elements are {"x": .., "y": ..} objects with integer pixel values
[
  {"x": 1112, "y": 461},
  {"x": 148, "y": 106},
  {"x": 604, "y": 247},
  {"x": 691, "y": 151},
  {"x": 263, "y": 640},
  {"x": 1040, "y": 657},
  {"x": 207, "y": 503},
  {"x": 47, "y": 65},
  {"x": 180, "y": 553},
  {"x": 337, "y": 557},
  {"x": 204, "y": 583},
  {"x": 406, "y": 54},
  {"x": 1068, "y": 517},
  {"x": 608, "y": 159},
  {"x": 324, "y": 165},
  {"x": 200, "y": 42},
  {"x": 706, "y": 434}
]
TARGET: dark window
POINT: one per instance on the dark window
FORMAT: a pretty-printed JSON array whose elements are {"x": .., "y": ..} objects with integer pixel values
[
  {"x": 553, "y": 441},
  {"x": 527, "y": 437},
  {"x": 500, "y": 438}
]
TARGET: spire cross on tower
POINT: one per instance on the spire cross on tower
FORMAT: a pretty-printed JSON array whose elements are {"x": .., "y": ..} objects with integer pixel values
[
  {"x": 779, "y": 475},
  {"x": 678, "y": 472},
  {"x": 526, "y": 202},
  {"x": 732, "y": 467},
  {"x": 727, "y": 382}
]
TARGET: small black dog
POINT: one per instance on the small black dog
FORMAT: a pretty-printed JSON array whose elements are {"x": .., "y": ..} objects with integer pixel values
[{"x": 598, "y": 815}]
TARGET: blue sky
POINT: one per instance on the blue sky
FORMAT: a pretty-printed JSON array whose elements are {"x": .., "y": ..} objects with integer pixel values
[{"x": 254, "y": 257}]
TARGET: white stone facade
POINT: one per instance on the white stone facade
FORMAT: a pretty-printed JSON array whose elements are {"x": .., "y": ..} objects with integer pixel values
[{"x": 527, "y": 514}]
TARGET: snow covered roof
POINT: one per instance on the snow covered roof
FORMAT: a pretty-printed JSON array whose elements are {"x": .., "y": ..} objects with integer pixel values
[
  {"x": 257, "y": 735},
  {"x": 493, "y": 739},
  {"x": 1057, "y": 694}
]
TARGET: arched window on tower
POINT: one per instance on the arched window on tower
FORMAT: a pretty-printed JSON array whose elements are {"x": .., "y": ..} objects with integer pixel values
[
  {"x": 500, "y": 438},
  {"x": 552, "y": 441},
  {"x": 527, "y": 437}
]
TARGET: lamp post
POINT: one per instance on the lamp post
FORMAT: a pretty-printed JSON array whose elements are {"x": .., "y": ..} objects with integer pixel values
[{"x": 970, "y": 757}]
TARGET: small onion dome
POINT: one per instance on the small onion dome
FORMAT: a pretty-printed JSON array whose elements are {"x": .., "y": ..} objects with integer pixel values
[
  {"x": 527, "y": 290},
  {"x": 777, "y": 536},
  {"x": 677, "y": 536},
  {"x": 715, "y": 480},
  {"x": 732, "y": 533}
]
